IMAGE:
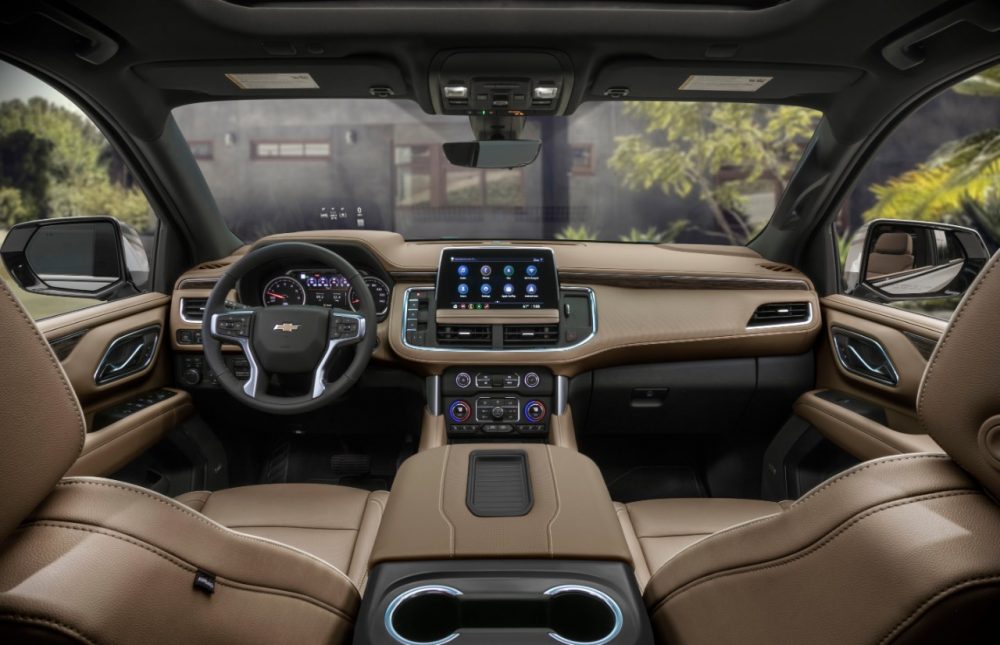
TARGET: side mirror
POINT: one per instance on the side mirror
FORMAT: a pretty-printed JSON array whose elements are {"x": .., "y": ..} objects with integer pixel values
[
  {"x": 82, "y": 257},
  {"x": 492, "y": 154},
  {"x": 892, "y": 260}
]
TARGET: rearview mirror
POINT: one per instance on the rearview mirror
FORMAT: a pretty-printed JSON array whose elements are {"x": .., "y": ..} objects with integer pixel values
[
  {"x": 84, "y": 257},
  {"x": 492, "y": 154},
  {"x": 908, "y": 260}
]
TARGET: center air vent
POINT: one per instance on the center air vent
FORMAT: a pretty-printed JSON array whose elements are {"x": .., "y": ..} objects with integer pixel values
[
  {"x": 193, "y": 309},
  {"x": 781, "y": 313},
  {"x": 530, "y": 335},
  {"x": 465, "y": 335}
]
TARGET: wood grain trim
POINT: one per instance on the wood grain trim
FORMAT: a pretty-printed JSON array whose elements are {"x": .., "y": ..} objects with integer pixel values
[{"x": 710, "y": 283}]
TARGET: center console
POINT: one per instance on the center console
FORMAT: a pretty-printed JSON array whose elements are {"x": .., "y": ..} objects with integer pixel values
[
  {"x": 487, "y": 403},
  {"x": 487, "y": 544}
]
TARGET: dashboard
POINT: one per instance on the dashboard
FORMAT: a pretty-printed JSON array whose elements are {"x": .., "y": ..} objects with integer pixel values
[{"x": 324, "y": 288}]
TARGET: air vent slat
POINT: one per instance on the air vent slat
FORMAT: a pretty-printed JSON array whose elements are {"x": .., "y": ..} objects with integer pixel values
[
  {"x": 193, "y": 309},
  {"x": 781, "y": 313},
  {"x": 465, "y": 335},
  {"x": 530, "y": 335}
]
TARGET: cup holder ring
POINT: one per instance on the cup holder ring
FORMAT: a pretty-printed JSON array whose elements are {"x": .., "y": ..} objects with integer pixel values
[
  {"x": 592, "y": 593},
  {"x": 416, "y": 592}
]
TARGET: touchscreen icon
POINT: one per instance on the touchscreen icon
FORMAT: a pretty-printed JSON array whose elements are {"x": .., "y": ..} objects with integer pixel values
[
  {"x": 485, "y": 289},
  {"x": 531, "y": 270},
  {"x": 485, "y": 269},
  {"x": 508, "y": 270},
  {"x": 531, "y": 288},
  {"x": 463, "y": 288},
  {"x": 463, "y": 270},
  {"x": 508, "y": 288}
]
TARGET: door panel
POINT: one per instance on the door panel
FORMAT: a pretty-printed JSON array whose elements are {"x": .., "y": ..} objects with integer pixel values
[
  {"x": 877, "y": 332},
  {"x": 126, "y": 415}
]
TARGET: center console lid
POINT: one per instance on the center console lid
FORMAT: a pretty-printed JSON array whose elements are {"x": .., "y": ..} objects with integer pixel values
[{"x": 552, "y": 503}]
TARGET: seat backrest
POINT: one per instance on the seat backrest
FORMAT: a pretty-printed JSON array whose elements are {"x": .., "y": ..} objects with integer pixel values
[
  {"x": 897, "y": 550},
  {"x": 893, "y": 253},
  {"x": 94, "y": 560}
]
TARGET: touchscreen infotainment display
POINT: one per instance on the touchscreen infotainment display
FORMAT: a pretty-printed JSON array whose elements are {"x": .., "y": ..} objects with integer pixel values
[{"x": 487, "y": 279}]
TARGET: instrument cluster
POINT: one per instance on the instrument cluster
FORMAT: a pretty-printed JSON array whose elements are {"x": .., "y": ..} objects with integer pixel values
[{"x": 324, "y": 288}]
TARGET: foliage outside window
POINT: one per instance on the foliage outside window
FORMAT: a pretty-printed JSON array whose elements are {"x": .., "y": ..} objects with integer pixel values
[{"x": 942, "y": 164}]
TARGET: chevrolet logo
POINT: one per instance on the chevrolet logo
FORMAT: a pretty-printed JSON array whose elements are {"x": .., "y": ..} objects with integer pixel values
[{"x": 286, "y": 327}]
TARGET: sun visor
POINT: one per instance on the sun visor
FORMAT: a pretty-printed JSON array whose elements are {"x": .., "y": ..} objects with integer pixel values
[
  {"x": 341, "y": 78},
  {"x": 682, "y": 81}
]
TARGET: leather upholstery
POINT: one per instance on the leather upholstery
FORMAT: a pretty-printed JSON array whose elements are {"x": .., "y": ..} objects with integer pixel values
[
  {"x": 901, "y": 549},
  {"x": 665, "y": 527},
  {"x": 959, "y": 399},
  {"x": 334, "y": 523},
  {"x": 37, "y": 449},
  {"x": 100, "y": 561},
  {"x": 893, "y": 252}
]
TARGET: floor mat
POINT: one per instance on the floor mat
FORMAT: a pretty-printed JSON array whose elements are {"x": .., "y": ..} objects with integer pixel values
[
  {"x": 325, "y": 460},
  {"x": 653, "y": 482}
]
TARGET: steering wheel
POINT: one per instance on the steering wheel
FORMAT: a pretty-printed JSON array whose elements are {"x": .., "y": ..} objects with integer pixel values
[{"x": 294, "y": 339}]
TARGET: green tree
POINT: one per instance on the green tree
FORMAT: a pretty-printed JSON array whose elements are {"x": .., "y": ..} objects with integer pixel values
[
  {"x": 693, "y": 143},
  {"x": 653, "y": 235},
  {"x": 958, "y": 182},
  {"x": 59, "y": 162},
  {"x": 577, "y": 233}
]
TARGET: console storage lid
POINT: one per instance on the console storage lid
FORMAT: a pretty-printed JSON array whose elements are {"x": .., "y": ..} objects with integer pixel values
[{"x": 428, "y": 518}]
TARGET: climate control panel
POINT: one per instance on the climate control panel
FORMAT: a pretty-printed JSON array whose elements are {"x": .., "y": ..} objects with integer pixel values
[{"x": 499, "y": 403}]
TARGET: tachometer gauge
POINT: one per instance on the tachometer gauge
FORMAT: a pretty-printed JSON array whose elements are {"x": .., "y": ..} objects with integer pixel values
[
  {"x": 283, "y": 291},
  {"x": 380, "y": 294}
]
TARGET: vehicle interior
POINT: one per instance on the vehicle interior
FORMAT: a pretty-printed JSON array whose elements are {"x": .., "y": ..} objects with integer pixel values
[{"x": 526, "y": 321}]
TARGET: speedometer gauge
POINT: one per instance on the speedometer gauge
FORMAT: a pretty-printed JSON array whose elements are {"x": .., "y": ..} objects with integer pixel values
[
  {"x": 380, "y": 294},
  {"x": 283, "y": 291}
]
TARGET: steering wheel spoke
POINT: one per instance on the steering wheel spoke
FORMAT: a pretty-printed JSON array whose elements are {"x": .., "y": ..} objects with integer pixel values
[
  {"x": 236, "y": 327},
  {"x": 345, "y": 329}
]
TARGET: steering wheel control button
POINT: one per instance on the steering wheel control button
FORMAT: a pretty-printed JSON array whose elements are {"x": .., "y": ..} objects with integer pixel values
[
  {"x": 534, "y": 411},
  {"x": 459, "y": 411},
  {"x": 532, "y": 380},
  {"x": 238, "y": 326},
  {"x": 463, "y": 380},
  {"x": 343, "y": 328}
]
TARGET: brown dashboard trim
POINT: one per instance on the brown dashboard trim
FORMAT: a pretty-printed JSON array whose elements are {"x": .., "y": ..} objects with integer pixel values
[{"x": 650, "y": 281}]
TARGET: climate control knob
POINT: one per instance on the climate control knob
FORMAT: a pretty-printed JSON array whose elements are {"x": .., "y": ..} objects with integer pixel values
[
  {"x": 534, "y": 411},
  {"x": 459, "y": 411},
  {"x": 497, "y": 412}
]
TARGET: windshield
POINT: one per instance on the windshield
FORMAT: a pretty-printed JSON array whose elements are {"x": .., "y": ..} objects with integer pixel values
[{"x": 613, "y": 171}]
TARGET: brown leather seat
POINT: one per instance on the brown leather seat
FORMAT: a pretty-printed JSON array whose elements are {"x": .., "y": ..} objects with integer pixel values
[
  {"x": 893, "y": 253},
  {"x": 93, "y": 560},
  {"x": 903, "y": 549}
]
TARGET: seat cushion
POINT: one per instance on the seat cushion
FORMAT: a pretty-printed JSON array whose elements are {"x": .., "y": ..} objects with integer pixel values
[
  {"x": 334, "y": 523},
  {"x": 659, "y": 529}
]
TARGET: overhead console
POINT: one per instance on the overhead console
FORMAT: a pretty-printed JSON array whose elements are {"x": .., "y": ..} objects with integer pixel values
[
  {"x": 498, "y": 298},
  {"x": 501, "y": 83}
]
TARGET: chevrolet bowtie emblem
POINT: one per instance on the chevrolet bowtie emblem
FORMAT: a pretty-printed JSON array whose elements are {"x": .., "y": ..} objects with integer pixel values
[{"x": 286, "y": 327}]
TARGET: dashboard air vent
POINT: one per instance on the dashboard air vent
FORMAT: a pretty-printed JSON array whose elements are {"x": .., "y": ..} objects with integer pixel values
[
  {"x": 193, "y": 309},
  {"x": 530, "y": 335},
  {"x": 781, "y": 313},
  {"x": 465, "y": 335},
  {"x": 777, "y": 268}
]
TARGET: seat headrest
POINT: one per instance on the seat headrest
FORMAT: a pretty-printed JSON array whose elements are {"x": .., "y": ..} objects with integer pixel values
[
  {"x": 894, "y": 244},
  {"x": 959, "y": 399},
  {"x": 41, "y": 425}
]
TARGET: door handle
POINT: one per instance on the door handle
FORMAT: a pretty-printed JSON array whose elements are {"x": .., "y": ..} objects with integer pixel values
[
  {"x": 864, "y": 356},
  {"x": 128, "y": 354}
]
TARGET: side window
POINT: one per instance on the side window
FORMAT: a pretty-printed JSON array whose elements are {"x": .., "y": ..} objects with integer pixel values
[
  {"x": 940, "y": 166},
  {"x": 55, "y": 163}
]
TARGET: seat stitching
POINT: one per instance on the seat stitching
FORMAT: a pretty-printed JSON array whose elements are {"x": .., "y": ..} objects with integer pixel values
[
  {"x": 933, "y": 599},
  {"x": 47, "y": 350},
  {"x": 866, "y": 466},
  {"x": 287, "y": 526},
  {"x": 962, "y": 308},
  {"x": 814, "y": 547},
  {"x": 177, "y": 506},
  {"x": 183, "y": 564},
  {"x": 24, "y": 618}
]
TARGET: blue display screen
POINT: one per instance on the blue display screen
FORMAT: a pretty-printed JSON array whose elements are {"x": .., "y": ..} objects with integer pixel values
[{"x": 487, "y": 279}]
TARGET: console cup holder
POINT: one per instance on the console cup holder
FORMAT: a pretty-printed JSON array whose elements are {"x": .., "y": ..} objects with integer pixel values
[{"x": 569, "y": 614}]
